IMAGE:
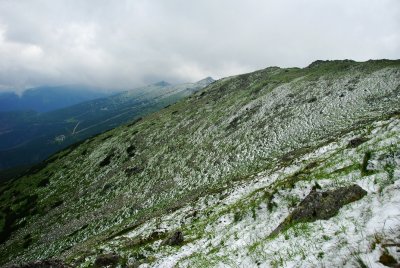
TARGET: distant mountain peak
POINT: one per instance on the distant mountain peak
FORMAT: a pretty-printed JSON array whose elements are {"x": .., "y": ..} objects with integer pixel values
[
  {"x": 205, "y": 81},
  {"x": 208, "y": 78}
]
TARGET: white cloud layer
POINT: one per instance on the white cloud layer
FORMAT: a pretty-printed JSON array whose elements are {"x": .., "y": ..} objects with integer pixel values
[{"x": 123, "y": 44}]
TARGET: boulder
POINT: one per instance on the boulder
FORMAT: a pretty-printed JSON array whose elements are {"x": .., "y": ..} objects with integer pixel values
[
  {"x": 109, "y": 259},
  {"x": 322, "y": 205},
  {"x": 356, "y": 142},
  {"x": 41, "y": 264},
  {"x": 175, "y": 239}
]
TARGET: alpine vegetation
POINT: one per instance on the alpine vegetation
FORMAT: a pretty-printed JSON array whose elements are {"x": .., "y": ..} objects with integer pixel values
[{"x": 282, "y": 167}]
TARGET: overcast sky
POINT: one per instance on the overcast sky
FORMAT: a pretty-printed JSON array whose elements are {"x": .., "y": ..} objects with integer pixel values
[{"x": 123, "y": 44}]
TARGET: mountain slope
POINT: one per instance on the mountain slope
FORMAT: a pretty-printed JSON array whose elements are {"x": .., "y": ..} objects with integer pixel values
[
  {"x": 27, "y": 138},
  {"x": 226, "y": 167},
  {"x": 46, "y": 98}
]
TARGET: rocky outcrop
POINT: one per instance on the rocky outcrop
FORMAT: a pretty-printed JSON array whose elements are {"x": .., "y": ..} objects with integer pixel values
[
  {"x": 41, "y": 264},
  {"x": 354, "y": 143},
  {"x": 175, "y": 239},
  {"x": 388, "y": 260},
  {"x": 106, "y": 260},
  {"x": 322, "y": 205}
]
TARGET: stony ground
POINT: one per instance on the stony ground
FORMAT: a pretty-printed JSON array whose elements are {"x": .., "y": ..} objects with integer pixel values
[{"x": 232, "y": 176}]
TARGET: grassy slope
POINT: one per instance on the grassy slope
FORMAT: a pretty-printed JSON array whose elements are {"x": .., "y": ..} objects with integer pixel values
[
  {"x": 30, "y": 138},
  {"x": 232, "y": 228},
  {"x": 229, "y": 132}
]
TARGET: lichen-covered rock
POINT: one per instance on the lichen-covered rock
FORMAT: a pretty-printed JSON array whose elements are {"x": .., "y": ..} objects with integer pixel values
[
  {"x": 322, "y": 205},
  {"x": 175, "y": 239}
]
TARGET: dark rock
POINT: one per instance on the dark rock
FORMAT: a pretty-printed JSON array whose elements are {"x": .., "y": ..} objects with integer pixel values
[
  {"x": 108, "y": 259},
  {"x": 322, "y": 205},
  {"x": 233, "y": 123},
  {"x": 388, "y": 260},
  {"x": 107, "y": 187},
  {"x": 44, "y": 182},
  {"x": 107, "y": 160},
  {"x": 316, "y": 187},
  {"x": 41, "y": 264},
  {"x": 130, "y": 171},
  {"x": 175, "y": 239},
  {"x": 131, "y": 150},
  {"x": 313, "y": 99},
  {"x": 356, "y": 142}
]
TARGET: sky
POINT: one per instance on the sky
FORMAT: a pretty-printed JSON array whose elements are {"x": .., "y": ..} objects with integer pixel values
[{"x": 128, "y": 43}]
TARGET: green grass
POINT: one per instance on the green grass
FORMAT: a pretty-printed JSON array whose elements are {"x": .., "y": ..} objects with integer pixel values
[{"x": 186, "y": 151}]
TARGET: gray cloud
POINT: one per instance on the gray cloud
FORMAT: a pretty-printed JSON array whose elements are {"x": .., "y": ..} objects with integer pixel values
[{"x": 123, "y": 44}]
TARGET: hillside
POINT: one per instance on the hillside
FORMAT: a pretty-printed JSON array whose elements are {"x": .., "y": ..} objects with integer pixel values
[
  {"x": 276, "y": 168},
  {"x": 47, "y": 98},
  {"x": 27, "y": 138}
]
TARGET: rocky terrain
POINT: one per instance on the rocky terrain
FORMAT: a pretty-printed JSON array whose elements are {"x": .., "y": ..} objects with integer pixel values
[{"x": 276, "y": 168}]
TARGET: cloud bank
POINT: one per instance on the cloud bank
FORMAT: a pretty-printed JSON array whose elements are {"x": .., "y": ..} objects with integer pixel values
[{"x": 123, "y": 44}]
